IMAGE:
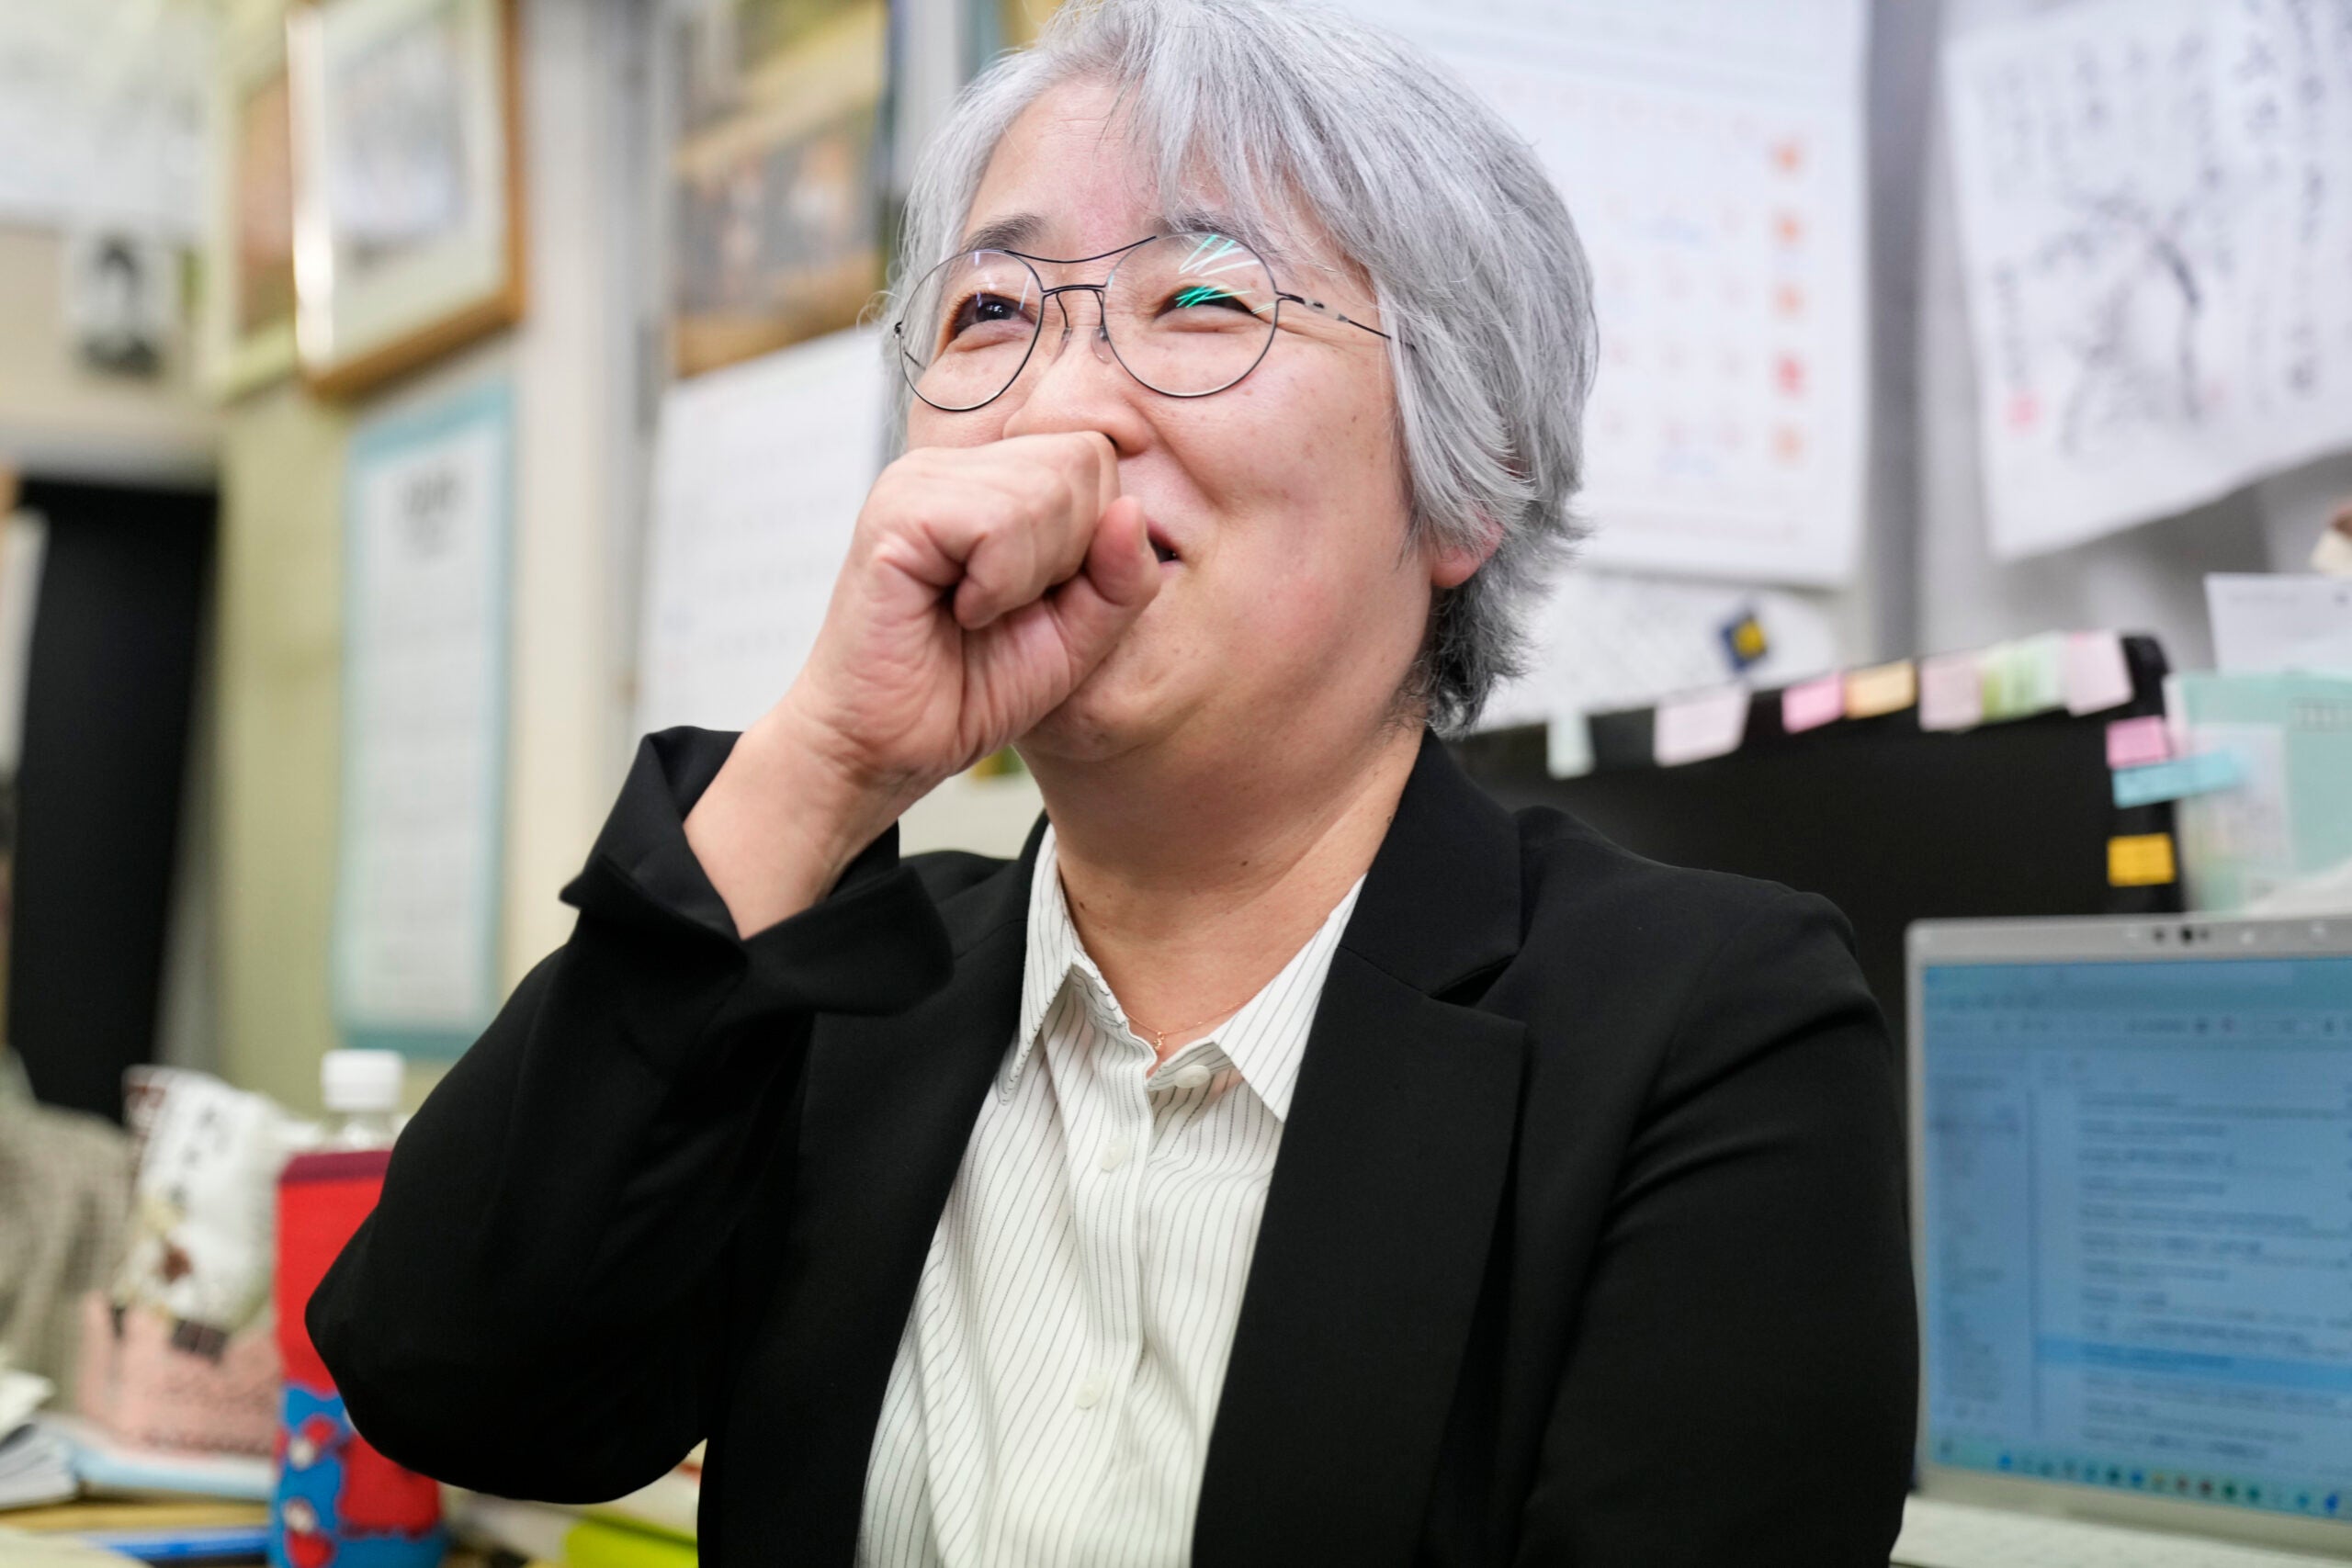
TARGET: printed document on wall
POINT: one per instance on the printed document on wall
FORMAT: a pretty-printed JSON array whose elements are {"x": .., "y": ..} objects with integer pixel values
[
  {"x": 1603, "y": 641},
  {"x": 1711, "y": 155},
  {"x": 428, "y": 519},
  {"x": 2155, "y": 217},
  {"x": 759, "y": 475}
]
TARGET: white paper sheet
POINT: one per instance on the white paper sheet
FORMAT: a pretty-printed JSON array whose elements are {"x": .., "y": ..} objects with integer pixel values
[
  {"x": 1607, "y": 641},
  {"x": 760, "y": 473},
  {"x": 1710, "y": 151},
  {"x": 2264, "y": 624},
  {"x": 428, "y": 517},
  {"x": 2155, "y": 203},
  {"x": 102, "y": 107}
]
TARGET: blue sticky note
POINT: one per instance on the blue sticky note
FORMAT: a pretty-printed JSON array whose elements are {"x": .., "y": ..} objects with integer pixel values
[{"x": 2198, "y": 774}]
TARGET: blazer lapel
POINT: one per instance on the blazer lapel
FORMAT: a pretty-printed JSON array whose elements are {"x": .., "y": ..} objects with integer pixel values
[
  {"x": 1384, "y": 1206},
  {"x": 888, "y": 1110}
]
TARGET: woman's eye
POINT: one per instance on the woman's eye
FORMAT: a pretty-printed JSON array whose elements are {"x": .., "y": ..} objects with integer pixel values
[
  {"x": 983, "y": 310},
  {"x": 1207, "y": 294}
]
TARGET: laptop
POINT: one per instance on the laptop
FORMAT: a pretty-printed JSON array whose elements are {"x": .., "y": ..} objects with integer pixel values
[{"x": 2132, "y": 1189}]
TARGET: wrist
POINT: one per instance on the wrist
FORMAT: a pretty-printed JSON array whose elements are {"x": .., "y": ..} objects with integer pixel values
[{"x": 781, "y": 822}]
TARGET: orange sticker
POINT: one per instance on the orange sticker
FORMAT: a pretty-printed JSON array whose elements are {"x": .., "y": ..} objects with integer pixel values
[{"x": 2140, "y": 859}]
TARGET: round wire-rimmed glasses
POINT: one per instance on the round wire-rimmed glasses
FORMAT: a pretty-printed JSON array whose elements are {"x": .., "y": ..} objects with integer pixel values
[{"x": 1188, "y": 315}]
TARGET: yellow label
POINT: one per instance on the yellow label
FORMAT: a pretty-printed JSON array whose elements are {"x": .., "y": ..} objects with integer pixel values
[
  {"x": 2140, "y": 859},
  {"x": 1881, "y": 689}
]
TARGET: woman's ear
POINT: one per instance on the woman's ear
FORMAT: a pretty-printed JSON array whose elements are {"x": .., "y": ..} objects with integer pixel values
[{"x": 1454, "y": 564}]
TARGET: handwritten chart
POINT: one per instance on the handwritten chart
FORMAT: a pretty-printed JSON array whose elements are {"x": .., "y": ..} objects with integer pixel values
[
  {"x": 759, "y": 475},
  {"x": 1710, "y": 153},
  {"x": 2155, "y": 204}
]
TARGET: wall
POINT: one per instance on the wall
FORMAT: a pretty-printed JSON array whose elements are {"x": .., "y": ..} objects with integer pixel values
[
  {"x": 280, "y": 659},
  {"x": 573, "y": 366},
  {"x": 63, "y": 421}
]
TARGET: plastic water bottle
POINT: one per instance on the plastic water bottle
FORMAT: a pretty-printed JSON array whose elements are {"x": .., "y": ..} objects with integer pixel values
[{"x": 338, "y": 1503}]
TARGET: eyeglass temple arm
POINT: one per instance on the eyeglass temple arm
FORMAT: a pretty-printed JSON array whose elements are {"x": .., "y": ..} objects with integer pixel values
[{"x": 1325, "y": 309}]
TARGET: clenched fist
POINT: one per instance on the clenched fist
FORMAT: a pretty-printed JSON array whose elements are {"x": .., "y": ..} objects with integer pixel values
[{"x": 982, "y": 584}]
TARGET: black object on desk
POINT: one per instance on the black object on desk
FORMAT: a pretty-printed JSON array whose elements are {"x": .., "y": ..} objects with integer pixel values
[{"x": 1890, "y": 822}]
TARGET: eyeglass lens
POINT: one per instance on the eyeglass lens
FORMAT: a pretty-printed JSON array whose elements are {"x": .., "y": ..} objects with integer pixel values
[{"x": 1187, "y": 315}]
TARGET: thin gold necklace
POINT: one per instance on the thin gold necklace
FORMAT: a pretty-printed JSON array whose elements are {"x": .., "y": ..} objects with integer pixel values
[{"x": 1159, "y": 1036}]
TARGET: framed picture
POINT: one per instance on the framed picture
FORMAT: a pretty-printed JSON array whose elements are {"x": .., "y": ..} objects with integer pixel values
[
  {"x": 427, "y": 551},
  {"x": 776, "y": 229},
  {"x": 408, "y": 229},
  {"x": 248, "y": 322}
]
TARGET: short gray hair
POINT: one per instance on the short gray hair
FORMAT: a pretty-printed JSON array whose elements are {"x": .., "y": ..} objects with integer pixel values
[{"x": 1289, "y": 107}]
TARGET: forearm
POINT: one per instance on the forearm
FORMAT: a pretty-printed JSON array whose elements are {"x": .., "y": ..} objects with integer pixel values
[
  {"x": 787, "y": 813},
  {"x": 553, "y": 1227}
]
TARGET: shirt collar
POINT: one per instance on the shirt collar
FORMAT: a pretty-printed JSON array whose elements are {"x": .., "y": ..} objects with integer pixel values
[{"x": 1264, "y": 1041}]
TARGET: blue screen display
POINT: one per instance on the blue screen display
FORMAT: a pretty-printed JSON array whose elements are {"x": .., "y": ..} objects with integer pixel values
[{"x": 2138, "y": 1226}]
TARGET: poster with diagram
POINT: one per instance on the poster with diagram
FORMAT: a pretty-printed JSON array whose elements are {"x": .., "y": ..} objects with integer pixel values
[
  {"x": 1711, "y": 153},
  {"x": 2155, "y": 216}
]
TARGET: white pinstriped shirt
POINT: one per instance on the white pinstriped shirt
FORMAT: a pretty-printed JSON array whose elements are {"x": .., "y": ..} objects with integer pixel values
[{"x": 1053, "y": 1393}]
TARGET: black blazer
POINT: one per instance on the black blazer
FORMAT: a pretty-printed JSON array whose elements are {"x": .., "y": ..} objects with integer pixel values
[{"x": 1586, "y": 1244}]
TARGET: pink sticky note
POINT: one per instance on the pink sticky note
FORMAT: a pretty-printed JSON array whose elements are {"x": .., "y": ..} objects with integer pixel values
[
  {"x": 2097, "y": 676},
  {"x": 1698, "y": 725},
  {"x": 2134, "y": 742},
  {"x": 1951, "y": 691},
  {"x": 1809, "y": 705}
]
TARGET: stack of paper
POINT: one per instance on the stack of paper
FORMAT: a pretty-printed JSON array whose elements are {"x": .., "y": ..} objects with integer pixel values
[
  {"x": 106, "y": 1464},
  {"x": 34, "y": 1466}
]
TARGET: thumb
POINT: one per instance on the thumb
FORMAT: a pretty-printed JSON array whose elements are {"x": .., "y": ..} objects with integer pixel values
[{"x": 1118, "y": 579}]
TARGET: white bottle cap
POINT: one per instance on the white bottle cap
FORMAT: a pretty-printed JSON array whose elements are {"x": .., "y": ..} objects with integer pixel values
[{"x": 356, "y": 1082}]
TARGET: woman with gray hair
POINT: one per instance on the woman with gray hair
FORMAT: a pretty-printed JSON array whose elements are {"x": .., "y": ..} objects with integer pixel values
[{"x": 1292, "y": 1158}]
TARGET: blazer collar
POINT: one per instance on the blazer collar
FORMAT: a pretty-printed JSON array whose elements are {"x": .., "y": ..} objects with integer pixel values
[{"x": 1440, "y": 903}]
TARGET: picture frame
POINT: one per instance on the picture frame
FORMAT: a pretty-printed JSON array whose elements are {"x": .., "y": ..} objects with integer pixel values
[
  {"x": 777, "y": 222},
  {"x": 409, "y": 233},
  {"x": 427, "y": 654},
  {"x": 246, "y": 331}
]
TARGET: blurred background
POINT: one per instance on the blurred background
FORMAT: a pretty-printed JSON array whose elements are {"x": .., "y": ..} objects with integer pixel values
[{"x": 405, "y": 404}]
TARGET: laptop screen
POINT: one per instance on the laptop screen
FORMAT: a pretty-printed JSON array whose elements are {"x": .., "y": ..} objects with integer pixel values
[{"x": 2136, "y": 1181}]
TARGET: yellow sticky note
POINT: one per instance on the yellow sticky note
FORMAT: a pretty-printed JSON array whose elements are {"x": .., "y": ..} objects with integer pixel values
[
  {"x": 1881, "y": 689},
  {"x": 2140, "y": 859}
]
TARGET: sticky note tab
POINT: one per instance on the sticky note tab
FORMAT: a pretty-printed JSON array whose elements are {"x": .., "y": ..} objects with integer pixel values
[
  {"x": 2176, "y": 780},
  {"x": 2136, "y": 742},
  {"x": 1567, "y": 745},
  {"x": 2140, "y": 859},
  {"x": 1809, "y": 705},
  {"x": 1951, "y": 691},
  {"x": 1882, "y": 689},
  {"x": 2025, "y": 677},
  {"x": 1695, "y": 725},
  {"x": 2098, "y": 675}
]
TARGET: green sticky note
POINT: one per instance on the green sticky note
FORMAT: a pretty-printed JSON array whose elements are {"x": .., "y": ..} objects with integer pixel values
[{"x": 2025, "y": 677}]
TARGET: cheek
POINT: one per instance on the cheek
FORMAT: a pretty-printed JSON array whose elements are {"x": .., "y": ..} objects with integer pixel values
[{"x": 927, "y": 426}]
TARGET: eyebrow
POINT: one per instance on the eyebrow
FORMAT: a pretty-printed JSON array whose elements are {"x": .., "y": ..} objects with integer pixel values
[{"x": 1004, "y": 234}]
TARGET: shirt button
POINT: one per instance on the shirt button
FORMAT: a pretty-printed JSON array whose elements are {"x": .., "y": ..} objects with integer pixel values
[
  {"x": 1191, "y": 1077},
  {"x": 1114, "y": 1153},
  {"x": 1089, "y": 1391}
]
